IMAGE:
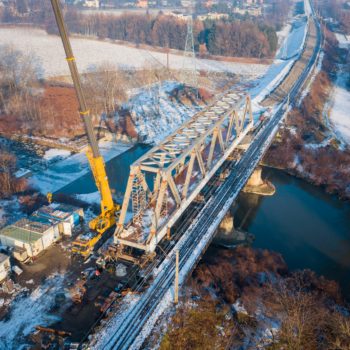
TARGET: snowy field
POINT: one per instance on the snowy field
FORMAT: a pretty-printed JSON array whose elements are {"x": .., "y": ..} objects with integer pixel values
[
  {"x": 67, "y": 170},
  {"x": 339, "y": 114},
  {"x": 91, "y": 52}
]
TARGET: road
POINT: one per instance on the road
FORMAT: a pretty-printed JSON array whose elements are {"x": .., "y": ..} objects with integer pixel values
[{"x": 136, "y": 324}]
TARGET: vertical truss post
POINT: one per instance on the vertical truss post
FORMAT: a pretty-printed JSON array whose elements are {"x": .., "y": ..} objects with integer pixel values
[
  {"x": 200, "y": 161},
  {"x": 159, "y": 203},
  {"x": 188, "y": 175},
  {"x": 126, "y": 201},
  {"x": 212, "y": 148}
]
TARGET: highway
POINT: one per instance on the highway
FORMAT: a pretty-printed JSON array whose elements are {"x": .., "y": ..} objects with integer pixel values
[{"x": 200, "y": 231}]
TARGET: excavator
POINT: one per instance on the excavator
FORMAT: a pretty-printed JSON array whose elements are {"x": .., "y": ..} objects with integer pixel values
[{"x": 84, "y": 244}]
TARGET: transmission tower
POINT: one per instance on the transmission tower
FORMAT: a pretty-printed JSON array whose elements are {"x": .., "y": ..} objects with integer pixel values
[{"x": 189, "y": 69}]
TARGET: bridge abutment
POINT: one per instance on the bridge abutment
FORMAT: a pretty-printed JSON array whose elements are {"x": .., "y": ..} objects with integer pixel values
[{"x": 257, "y": 185}]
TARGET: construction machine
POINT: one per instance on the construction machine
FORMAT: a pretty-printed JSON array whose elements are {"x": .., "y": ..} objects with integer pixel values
[{"x": 109, "y": 209}]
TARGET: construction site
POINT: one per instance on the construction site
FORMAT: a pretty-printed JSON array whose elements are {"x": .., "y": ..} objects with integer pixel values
[{"x": 104, "y": 228}]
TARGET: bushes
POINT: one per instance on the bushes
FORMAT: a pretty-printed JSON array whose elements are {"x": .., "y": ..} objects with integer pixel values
[
  {"x": 9, "y": 184},
  {"x": 306, "y": 311}
]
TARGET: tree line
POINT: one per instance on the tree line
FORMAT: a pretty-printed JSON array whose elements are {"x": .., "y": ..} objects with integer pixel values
[
  {"x": 226, "y": 37},
  {"x": 220, "y": 37}
]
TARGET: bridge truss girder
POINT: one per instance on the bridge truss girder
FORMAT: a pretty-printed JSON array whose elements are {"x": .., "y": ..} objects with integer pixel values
[{"x": 169, "y": 176}]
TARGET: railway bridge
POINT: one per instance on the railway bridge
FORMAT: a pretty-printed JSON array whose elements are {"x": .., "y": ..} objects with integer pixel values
[{"x": 184, "y": 186}]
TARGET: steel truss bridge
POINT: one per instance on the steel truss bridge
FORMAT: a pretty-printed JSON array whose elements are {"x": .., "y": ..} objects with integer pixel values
[{"x": 170, "y": 176}]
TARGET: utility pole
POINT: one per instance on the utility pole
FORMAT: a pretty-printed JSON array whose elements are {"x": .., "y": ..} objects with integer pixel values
[{"x": 176, "y": 284}]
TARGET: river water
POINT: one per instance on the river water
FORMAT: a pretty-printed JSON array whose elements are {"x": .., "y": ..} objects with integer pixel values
[{"x": 310, "y": 228}]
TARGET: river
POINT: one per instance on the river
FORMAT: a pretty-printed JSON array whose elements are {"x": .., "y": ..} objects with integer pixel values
[{"x": 309, "y": 227}]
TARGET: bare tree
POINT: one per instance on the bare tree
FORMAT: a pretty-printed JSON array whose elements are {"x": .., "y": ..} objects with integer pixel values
[
  {"x": 19, "y": 79},
  {"x": 105, "y": 89}
]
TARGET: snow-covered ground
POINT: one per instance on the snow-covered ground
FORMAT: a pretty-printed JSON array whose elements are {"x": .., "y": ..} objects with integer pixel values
[
  {"x": 26, "y": 312},
  {"x": 284, "y": 60},
  {"x": 91, "y": 198},
  {"x": 10, "y": 211},
  {"x": 314, "y": 74},
  {"x": 155, "y": 123},
  {"x": 66, "y": 171},
  {"x": 291, "y": 44},
  {"x": 91, "y": 52},
  {"x": 339, "y": 112},
  {"x": 53, "y": 153}
]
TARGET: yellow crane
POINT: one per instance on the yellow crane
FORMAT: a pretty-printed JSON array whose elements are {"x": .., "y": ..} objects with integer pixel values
[{"x": 109, "y": 209}]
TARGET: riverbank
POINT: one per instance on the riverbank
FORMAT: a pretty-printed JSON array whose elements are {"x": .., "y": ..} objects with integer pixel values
[{"x": 306, "y": 145}]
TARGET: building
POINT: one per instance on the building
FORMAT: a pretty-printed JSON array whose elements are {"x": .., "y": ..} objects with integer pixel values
[
  {"x": 142, "y": 4},
  {"x": 256, "y": 11},
  {"x": 30, "y": 236},
  {"x": 65, "y": 216},
  {"x": 213, "y": 16},
  {"x": 5, "y": 266},
  {"x": 186, "y": 3},
  {"x": 92, "y": 3},
  {"x": 179, "y": 15}
]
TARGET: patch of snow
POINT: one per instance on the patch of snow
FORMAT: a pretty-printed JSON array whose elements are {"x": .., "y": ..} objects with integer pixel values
[
  {"x": 154, "y": 123},
  {"x": 318, "y": 145},
  {"x": 21, "y": 172},
  {"x": 10, "y": 211},
  {"x": 314, "y": 74},
  {"x": 239, "y": 307},
  {"x": 91, "y": 198},
  {"x": 307, "y": 8},
  {"x": 343, "y": 40},
  {"x": 339, "y": 113},
  {"x": 127, "y": 304},
  {"x": 120, "y": 270},
  {"x": 56, "y": 153}
]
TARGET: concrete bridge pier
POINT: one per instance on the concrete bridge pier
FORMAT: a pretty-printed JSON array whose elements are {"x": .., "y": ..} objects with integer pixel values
[
  {"x": 259, "y": 186},
  {"x": 227, "y": 224},
  {"x": 229, "y": 236}
]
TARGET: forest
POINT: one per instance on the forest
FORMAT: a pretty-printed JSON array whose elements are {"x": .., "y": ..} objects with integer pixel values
[{"x": 227, "y": 37}]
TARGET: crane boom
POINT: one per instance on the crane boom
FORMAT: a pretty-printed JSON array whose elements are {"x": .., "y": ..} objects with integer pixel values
[{"x": 107, "y": 218}]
